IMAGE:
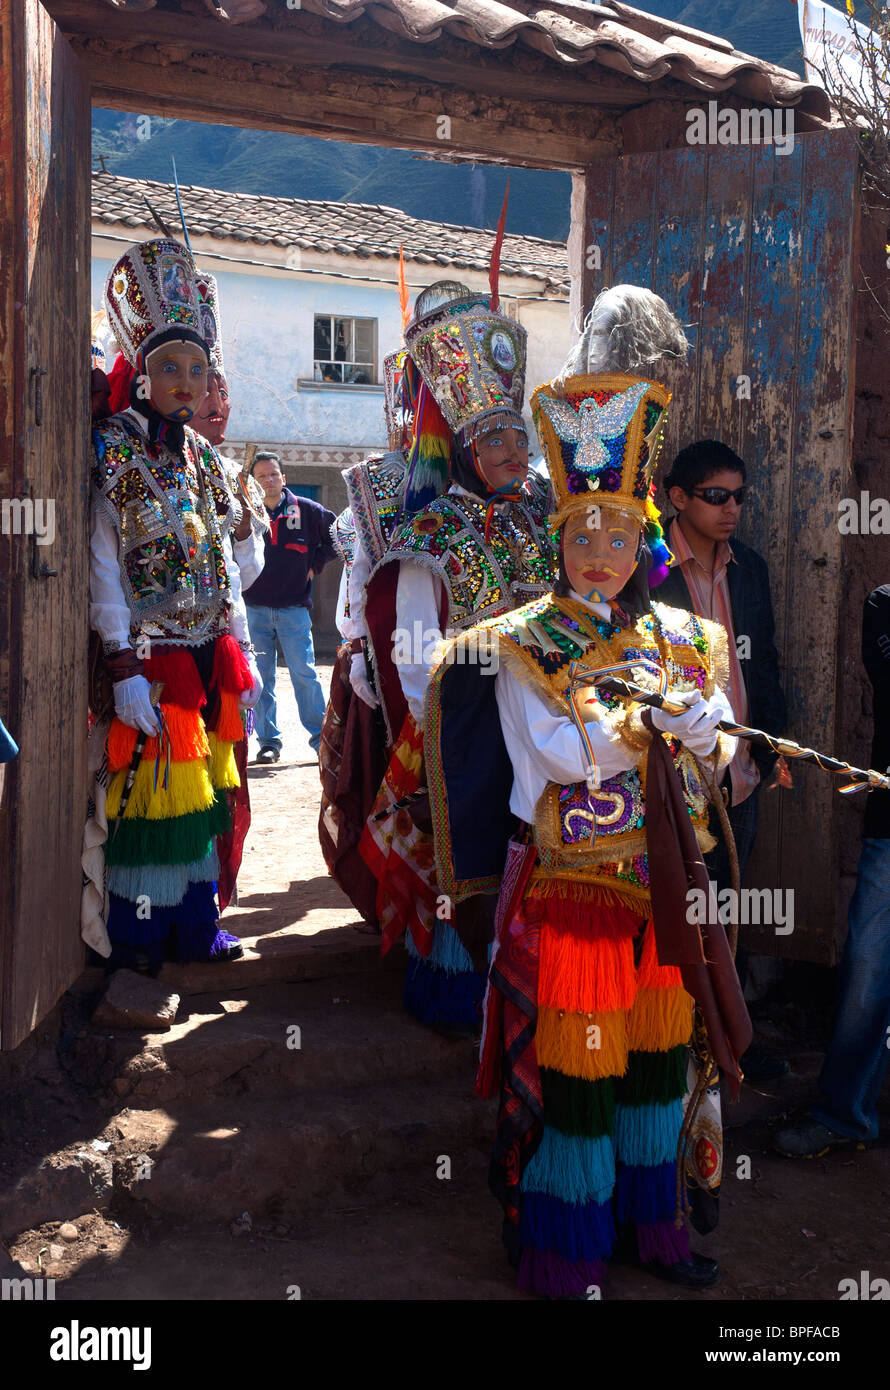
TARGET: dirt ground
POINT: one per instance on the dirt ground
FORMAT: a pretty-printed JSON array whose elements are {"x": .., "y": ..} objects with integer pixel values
[{"x": 383, "y": 1227}]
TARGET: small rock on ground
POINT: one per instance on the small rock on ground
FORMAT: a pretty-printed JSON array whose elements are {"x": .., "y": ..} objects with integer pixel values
[{"x": 135, "y": 1001}]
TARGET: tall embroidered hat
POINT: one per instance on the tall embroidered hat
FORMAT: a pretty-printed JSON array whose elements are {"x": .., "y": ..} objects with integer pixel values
[
  {"x": 473, "y": 360},
  {"x": 601, "y": 435},
  {"x": 208, "y": 308},
  {"x": 152, "y": 297}
]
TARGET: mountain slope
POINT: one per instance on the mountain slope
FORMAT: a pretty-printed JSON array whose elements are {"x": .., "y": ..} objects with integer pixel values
[{"x": 293, "y": 166}]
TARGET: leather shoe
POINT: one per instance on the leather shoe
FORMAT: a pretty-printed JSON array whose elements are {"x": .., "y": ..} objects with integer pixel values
[{"x": 697, "y": 1272}]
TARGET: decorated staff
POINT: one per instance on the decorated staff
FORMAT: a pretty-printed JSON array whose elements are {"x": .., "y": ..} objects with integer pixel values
[{"x": 861, "y": 779}]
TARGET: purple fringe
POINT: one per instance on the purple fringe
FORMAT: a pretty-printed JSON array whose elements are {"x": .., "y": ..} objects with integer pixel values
[
  {"x": 545, "y": 1272},
  {"x": 664, "y": 1243}
]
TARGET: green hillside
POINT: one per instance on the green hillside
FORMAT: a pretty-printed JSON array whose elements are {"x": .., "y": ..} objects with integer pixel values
[{"x": 293, "y": 166}]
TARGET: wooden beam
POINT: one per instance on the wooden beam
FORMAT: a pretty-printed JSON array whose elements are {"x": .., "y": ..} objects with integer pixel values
[
  {"x": 308, "y": 40},
  {"x": 257, "y": 99}
]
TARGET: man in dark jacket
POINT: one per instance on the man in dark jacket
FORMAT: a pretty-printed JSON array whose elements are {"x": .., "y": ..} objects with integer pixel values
[
  {"x": 728, "y": 583},
  {"x": 298, "y": 546},
  {"x": 854, "y": 1070}
]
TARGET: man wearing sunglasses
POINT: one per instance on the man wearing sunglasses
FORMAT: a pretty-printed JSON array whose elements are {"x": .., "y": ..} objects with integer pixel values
[{"x": 722, "y": 579}]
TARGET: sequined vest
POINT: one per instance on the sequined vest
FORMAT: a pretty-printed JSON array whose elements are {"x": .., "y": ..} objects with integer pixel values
[
  {"x": 483, "y": 578},
  {"x": 375, "y": 489},
  {"x": 171, "y": 512},
  {"x": 599, "y": 838}
]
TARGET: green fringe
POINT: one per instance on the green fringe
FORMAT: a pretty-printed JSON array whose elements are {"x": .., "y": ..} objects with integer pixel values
[
  {"x": 575, "y": 1106},
  {"x": 654, "y": 1078},
  {"x": 178, "y": 840}
]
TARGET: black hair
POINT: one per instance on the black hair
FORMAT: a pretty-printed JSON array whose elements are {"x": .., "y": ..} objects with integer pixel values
[
  {"x": 697, "y": 462},
  {"x": 265, "y": 454}
]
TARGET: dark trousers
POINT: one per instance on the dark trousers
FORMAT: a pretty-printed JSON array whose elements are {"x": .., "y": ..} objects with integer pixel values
[{"x": 743, "y": 820}]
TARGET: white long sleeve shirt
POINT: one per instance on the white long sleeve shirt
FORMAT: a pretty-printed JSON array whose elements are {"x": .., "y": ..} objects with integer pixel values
[{"x": 546, "y": 747}]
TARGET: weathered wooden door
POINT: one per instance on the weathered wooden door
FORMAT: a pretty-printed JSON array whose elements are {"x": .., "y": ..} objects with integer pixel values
[
  {"x": 756, "y": 251},
  {"x": 44, "y": 437}
]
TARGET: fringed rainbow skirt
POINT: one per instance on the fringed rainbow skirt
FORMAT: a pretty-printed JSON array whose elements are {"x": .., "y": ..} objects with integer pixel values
[
  {"x": 442, "y": 988},
  {"x": 161, "y": 857},
  {"x": 610, "y": 1043}
]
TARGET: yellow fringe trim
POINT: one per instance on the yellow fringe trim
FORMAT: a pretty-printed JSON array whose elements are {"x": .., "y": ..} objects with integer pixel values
[
  {"x": 585, "y": 976},
  {"x": 590, "y": 1046},
  {"x": 189, "y": 789},
  {"x": 659, "y": 1020},
  {"x": 545, "y": 885},
  {"x": 223, "y": 769}
]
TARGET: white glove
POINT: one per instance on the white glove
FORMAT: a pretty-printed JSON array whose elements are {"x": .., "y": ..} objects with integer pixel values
[
  {"x": 132, "y": 705},
  {"x": 358, "y": 679},
  {"x": 696, "y": 728},
  {"x": 248, "y": 698}
]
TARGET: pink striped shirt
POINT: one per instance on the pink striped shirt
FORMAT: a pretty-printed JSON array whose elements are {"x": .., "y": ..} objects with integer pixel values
[{"x": 710, "y": 599}]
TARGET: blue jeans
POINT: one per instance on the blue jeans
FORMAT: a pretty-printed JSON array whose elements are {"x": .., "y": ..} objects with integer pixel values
[
  {"x": 293, "y": 629},
  {"x": 858, "y": 1054}
]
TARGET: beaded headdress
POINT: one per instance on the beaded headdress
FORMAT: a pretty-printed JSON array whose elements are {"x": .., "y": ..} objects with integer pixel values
[
  {"x": 394, "y": 406},
  {"x": 211, "y": 328},
  {"x": 151, "y": 296},
  {"x": 473, "y": 360},
  {"x": 601, "y": 436}
]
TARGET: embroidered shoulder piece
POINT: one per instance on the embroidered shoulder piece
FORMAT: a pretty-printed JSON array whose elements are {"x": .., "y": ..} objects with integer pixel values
[
  {"x": 376, "y": 490},
  {"x": 483, "y": 578}
]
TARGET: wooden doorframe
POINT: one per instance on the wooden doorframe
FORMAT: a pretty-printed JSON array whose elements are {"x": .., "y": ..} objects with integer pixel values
[{"x": 44, "y": 589}]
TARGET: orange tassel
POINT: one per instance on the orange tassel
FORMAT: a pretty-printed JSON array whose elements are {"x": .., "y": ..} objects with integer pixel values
[
  {"x": 659, "y": 1020},
  {"x": 585, "y": 976},
  {"x": 651, "y": 975},
  {"x": 229, "y": 728},
  {"x": 188, "y": 739},
  {"x": 590, "y": 1046}
]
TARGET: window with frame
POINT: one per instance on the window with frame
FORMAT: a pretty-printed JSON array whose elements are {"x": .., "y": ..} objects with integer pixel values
[{"x": 345, "y": 350}]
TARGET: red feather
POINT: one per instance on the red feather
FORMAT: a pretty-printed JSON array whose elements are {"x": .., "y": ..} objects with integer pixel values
[{"x": 495, "y": 268}]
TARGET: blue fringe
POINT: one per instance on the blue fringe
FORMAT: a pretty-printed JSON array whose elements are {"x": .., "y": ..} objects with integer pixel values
[
  {"x": 164, "y": 885},
  {"x": 195, "y": 920},
  {"x": 584, "y": 1232},
  {"x": 448, "y": 953},
  {"x": 434, "y": 996},
  {"x": 572, "y": 1168},
  {"x": 647, "y": 1135},
  {"x": 646, "y": 1196}
]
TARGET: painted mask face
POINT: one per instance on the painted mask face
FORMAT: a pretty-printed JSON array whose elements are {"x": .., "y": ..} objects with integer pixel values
[
  {"x": 503, "y": 459},
  {"x": 177, "y": 379},
  {"x": 212, "y": 418},
  {"x": 599, "y": 550}
]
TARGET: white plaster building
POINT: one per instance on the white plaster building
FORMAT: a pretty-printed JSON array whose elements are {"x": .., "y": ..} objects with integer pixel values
[{"x": 309, "y": 290}]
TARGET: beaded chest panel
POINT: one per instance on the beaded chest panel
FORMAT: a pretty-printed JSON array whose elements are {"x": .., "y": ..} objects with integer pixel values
[{"x": 171, "y": 512}]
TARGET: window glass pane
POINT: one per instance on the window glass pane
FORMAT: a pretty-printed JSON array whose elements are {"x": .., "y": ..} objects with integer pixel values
[
  {"x": 342, "y": 340},
  {"x": 322, "y": 338},
  {"x": 331, "y": 371},
  {"x": 364, "y": 340},
  {"x": 358, "y": 375}
]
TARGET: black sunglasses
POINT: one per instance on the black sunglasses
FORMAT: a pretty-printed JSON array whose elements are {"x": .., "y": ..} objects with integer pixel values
[{"x": 719, "y": 496}]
